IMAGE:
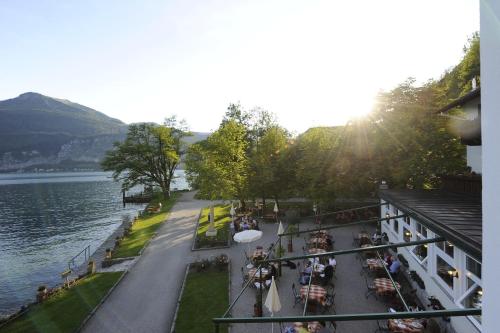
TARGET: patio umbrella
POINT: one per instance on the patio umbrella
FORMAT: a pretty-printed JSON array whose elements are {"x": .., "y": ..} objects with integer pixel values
[
  {"x": 280, "y": 229},
  {"x": 247, "y": 236},
  {"x": 273, "y": 303},
  {"x": 275, "y": 210}
]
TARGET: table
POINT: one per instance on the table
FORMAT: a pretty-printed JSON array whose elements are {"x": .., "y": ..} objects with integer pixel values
[
  {"x": 384, "y": 286},
  {"x": 316, "y": 250},
  {"x": 375, "y": 264},
  {"x": 257, "y": 276},
  {"x": 259, "y": 253},
  {"x": 317, "y": 240},
  {"x": 312, "y": 327},
  {"x": 317, "y": 294},
  {"x": 320, "y": 234},
  {"x": 405, "y": 325}
]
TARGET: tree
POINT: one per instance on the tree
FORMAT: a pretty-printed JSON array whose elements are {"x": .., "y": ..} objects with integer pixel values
[
  {"x": 149, "y": 155},
  {"x": 218, "y": 166},
  {"x": 270, "y": 172}
]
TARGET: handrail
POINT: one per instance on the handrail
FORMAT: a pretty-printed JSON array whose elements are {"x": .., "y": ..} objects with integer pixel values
[
  {"x": 361, "y": 249},
  {"x": 85, "y": 251},
  {"x": 347, "y": 210},
  {"x": 346, "y": 224},
  {"x": 356, "y": 316}
]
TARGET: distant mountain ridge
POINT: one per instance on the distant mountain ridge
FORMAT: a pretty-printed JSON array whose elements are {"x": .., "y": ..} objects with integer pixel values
[{"x": 38, "y": 132}]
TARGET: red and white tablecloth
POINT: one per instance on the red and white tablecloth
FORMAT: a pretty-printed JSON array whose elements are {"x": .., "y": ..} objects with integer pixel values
[
  {"x": 375, "y": 264},
  {"x": 259, "y": 253},
  {"x": 405, "y": 326},
  {"x": 384, "y": 285},
  {"x": 254, "y": 272},
  {"x": 316, "y": 251},
  {"x": 317, "y": 293}
]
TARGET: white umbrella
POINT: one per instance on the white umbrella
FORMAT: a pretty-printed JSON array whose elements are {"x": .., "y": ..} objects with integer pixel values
[
  {"x": 275, "y": 209},
  {"x": 280, "y": 229},
  {"x": 211, "y": 232},
  {"x": 273, "y": 303},
  {"x": 212, "y": 214},
  {"x": 247, "y": 236}
]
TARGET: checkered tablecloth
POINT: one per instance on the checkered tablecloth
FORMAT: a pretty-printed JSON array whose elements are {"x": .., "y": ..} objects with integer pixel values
[
  {"x": 259, "y": 253},
  {"x": 384, "y": 285},
  {"x": 316, "y": 251},
  {"x": 375, "y": 264},
  {"x": 317, "y": 293},
  {"x": 317, "y": 240},
  {"x": 312, "y": 327},
  {"x": 405, "y": 326},
  {"x": 320, "y": 234},
  {"x": 253, "y": 271}
]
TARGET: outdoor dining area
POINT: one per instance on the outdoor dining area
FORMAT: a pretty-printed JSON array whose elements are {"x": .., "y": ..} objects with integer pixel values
[{"x": 316, "y": 283}]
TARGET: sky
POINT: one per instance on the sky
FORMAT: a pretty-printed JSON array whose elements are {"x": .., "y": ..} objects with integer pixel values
[{"x": 312, "y": 63}]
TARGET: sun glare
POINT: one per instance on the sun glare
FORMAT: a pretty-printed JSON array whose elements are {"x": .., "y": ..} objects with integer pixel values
[{"x": 356, "y": 107}]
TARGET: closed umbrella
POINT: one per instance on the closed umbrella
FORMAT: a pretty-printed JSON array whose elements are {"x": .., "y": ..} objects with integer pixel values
[
  {"x": 281, "y": 231},
  {"x": 273, "y": 303},
  {"x": 232, "y": 212},
  {"x": 275, "y": 210}
]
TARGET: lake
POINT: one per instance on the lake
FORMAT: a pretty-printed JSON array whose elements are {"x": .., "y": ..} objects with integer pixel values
[{"x": 46, "y": 219}]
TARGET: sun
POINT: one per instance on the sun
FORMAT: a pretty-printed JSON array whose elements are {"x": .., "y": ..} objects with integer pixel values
[{"x": 355, "y": 106}]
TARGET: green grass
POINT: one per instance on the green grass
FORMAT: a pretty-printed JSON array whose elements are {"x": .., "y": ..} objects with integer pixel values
[
  {"x": 205, "y": 296},
  {"x": 144, "y": 229},
  {"x": 222, "y": 219},
  {"x": 65, "y": 311}
]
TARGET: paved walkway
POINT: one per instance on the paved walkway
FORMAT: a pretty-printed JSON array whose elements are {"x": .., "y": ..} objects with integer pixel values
[{"x": 146, "y": 298}]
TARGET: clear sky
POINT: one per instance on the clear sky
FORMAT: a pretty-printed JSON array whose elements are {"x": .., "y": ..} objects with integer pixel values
[{"x": 310, "y": 62}]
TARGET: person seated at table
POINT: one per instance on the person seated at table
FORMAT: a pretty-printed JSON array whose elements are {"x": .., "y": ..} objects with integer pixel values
[
  {"x": 245, "y": 225},
  {"x": 329, "y": 242},
  {"x": 332, "y": 262},
  {"x": 387, "y": 259},
  {"x": 273, "y": 271},
  {"x": 323, "y": 328},
  {"x": 394, "y": 267},
  {"x": 308, "y": 269}
]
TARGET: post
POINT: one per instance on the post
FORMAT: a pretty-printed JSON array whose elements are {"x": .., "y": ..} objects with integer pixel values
[
  {"x": 260, "y": 291},
  {"x": 279, "y": 255},
  {"x": 216, "y": 328}
]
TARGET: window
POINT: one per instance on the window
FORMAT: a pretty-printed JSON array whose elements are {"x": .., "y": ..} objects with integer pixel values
[
  {"x": 395, "y": 210},
  {"x": 396, "y": 226},
  {"x": 473, "y": 267},
  {"x": 406, "y": 235},
  {"x": 445, "y": 271},
  {"x": 421, "y": 230},
  {"x": 407, "y": 220},
  {"x": 447, "y": 248},
  {"x": 473, "y": 297},
  {"x": 420, "y": 251}
]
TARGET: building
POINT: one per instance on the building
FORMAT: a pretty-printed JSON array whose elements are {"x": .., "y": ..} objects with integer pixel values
[{"x": 450, "y": 270}]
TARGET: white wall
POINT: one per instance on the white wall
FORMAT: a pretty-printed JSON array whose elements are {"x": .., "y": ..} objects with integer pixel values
[
  {"x": 474, "y": 158},
  {"x": 490, "y": 120}
]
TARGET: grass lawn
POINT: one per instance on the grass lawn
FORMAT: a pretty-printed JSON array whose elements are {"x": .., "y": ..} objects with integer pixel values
[
  {"x": 65, "y": 311},
  {"x": 222, "y": 219},
  {"x": 144, "y": 229},
  {"x": 205, "y": 296}
]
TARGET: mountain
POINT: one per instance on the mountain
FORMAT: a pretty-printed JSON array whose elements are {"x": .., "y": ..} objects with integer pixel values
[{"x": 38, "y": 132}]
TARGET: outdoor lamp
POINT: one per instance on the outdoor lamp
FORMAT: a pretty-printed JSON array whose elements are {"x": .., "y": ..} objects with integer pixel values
[
  {"x": 453, "y": 273},
  {"x": 387, "y": 215},
  {"x": 315, "y": 208}
]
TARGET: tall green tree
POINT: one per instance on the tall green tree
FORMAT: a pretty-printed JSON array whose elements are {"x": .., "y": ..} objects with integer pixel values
[
  {"x": 149, "y": 155},
  {"x": 218, "y": 166}
]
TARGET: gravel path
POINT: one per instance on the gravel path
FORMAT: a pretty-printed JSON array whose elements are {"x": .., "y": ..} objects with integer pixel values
[{"x": 145, "y": 300}]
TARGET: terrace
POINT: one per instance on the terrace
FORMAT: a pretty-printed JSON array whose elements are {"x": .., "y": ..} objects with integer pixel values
[{"x": 348, "y": 287}]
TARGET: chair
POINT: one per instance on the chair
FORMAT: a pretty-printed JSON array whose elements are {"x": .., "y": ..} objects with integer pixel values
[
  {"x": 432, "y": 326},
  {"x": 355, "y": 239},
  {"x": 247, "y": 257},
  {"x": 383, "y": 326},
  {"x": 297, "y": 298},
  {"x": 365, "y": 269},
  {"x": 371, "y": 289},
  {"x": 328, "y": 275},
  {"x": 329, "y": 304},
  {"x": 244, "y": 277}
]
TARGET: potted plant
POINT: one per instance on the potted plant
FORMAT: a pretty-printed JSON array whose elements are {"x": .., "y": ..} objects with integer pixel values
[
  {"x": 109, "y": 253},
  {"x": 91, "y": 267},
  {"x": 41, "y": 293}
]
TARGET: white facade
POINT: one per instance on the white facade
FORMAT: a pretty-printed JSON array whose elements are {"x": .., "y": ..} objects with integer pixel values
[
  {"x": 436, "y": 264},
  {"x": 490, "y": 100},
  {"x": 474, "y": 158}
]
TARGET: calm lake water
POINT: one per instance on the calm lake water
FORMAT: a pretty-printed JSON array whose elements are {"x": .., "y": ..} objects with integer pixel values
[{"x": 46, "y": 219}]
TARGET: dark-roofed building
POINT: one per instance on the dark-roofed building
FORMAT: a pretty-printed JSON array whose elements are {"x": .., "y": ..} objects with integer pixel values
[{"x": 450, "y": 270}]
